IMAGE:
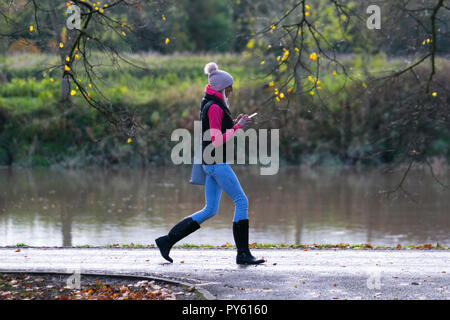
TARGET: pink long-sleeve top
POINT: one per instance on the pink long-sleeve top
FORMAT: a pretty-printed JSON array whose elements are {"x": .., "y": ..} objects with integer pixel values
[{"x": 215, "y": 115}]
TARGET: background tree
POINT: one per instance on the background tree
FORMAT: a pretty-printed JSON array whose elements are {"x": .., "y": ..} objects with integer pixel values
[
  {"x": 338, "y": 89},
  {"x": 302, "y": 45},
  {"x": 84, "y": 51}
]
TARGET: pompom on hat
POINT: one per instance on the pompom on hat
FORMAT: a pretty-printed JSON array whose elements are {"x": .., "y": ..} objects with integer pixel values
[{"x": 218, "y": 79}]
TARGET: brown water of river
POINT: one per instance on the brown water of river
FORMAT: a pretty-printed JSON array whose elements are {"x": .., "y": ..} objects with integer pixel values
[{"x": 298, "y": 205}]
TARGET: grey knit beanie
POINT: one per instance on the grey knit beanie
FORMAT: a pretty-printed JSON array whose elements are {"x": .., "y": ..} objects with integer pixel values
[{"x": 218, "y": 79}]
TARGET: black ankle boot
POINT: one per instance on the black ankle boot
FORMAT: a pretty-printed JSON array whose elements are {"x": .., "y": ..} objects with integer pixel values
[
  {"x": 240, "y": 233},
  {"x": 182, "y": 229}
]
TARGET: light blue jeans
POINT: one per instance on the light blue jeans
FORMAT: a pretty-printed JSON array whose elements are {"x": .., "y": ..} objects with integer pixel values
[{"x": 221, "y": 177}]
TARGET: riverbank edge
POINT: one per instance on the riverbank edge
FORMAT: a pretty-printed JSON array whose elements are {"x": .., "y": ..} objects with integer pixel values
[{"x": 342, "y": 246}]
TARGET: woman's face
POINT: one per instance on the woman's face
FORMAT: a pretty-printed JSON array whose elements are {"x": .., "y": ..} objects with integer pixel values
[{"x": 228, "y": 91}]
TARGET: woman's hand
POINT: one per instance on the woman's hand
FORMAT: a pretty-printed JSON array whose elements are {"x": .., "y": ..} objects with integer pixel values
[
  {"x": 243, "y": 120},
  {"x": 238, "y": 118}
]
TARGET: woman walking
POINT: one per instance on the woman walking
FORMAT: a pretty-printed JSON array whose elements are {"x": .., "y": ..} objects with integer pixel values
[{"x": 220, "y": 176}]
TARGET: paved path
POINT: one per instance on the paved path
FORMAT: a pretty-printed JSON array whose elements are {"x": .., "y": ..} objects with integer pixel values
[{"x": 287, "y": 274}]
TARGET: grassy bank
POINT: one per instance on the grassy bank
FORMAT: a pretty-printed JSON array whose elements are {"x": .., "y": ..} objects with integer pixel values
[
  {"x": 349, "y": 123},
  {"x": 314, "y": 246}
]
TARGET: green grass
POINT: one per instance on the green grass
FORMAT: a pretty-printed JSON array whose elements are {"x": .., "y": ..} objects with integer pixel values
[
  {"x": 20, "y": 245},
  {"x": 342, "y": 246},
  {"x": 165, "y": 91}
]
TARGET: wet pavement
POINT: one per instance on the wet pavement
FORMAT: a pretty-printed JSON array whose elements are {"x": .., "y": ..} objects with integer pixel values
[{"x": 287, "y": 273}]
